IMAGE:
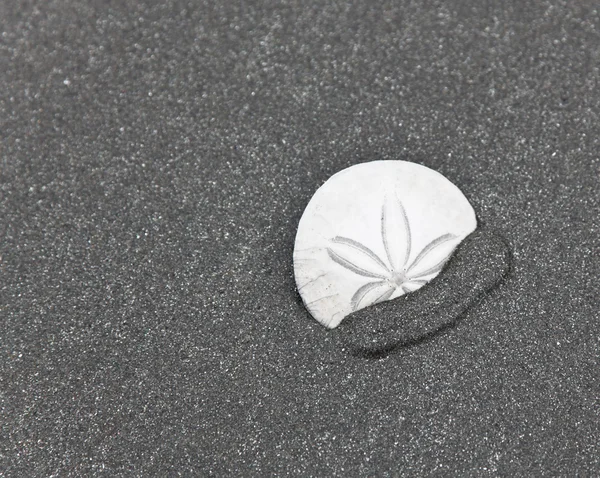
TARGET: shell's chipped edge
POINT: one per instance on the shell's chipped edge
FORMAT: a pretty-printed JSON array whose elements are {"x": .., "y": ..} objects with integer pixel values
[{"x": 477, "y": 266}]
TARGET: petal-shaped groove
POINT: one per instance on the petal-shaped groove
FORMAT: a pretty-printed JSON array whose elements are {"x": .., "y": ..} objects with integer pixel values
[
  {"x": 386, "y": 295},
  {"x": 395, "y": 232},
  {"x": 363, "y": 251},
  {"x": 429, "y": 247},
  {"x": 360, "y": 294},
  {"x": 412, "y": 285},
  {"x": 416, "y": 282},
  {"x": 432, "y": 270},
  {"x": 432, "y": 258},
  {"x": 351, "y": 266}
]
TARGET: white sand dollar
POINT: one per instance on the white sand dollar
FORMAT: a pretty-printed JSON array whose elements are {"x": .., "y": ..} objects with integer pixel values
[{"x": 374, "y": 232}]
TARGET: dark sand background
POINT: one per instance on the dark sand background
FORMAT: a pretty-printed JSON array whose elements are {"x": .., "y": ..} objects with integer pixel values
[{"x": 155, "y": 158}]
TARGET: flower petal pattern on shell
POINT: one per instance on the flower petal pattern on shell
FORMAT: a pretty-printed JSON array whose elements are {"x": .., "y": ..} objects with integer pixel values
[{"x": 397, "y": 275}]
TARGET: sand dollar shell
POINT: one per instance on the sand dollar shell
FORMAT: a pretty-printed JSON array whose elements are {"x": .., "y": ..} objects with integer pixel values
[{"x": 374, "y": 232}]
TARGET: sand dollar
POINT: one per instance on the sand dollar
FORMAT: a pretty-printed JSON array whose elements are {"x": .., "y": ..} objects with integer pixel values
[{"x": 374, "y": 232}]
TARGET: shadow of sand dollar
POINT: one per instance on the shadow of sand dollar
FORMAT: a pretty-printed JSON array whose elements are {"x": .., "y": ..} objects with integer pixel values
[{"x": 477, "y": 266}]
